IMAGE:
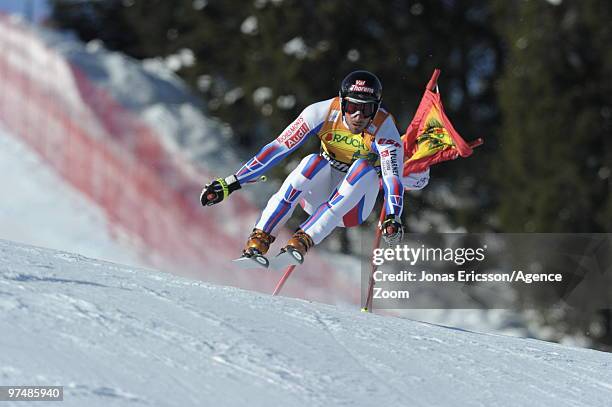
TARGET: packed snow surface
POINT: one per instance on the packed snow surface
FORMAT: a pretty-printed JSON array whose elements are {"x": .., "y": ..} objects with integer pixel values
[{"x": 118, "y": 335}]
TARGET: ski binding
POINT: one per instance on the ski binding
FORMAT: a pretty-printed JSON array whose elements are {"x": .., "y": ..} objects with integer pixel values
[
  {"x": 252, "y": 261},
  {"x": 287, "y": 257}
]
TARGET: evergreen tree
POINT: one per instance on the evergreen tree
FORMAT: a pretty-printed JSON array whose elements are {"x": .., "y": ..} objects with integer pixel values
[{"x": 553, "y": 170}]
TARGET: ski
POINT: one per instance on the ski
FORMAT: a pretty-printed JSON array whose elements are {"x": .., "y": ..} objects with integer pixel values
[
  {"x": 288, "y": 257},
  {"x": 255, "y": 261}
]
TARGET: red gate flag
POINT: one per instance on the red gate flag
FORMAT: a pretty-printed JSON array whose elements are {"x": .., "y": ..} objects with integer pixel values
[{"x": 431, "y": 138}]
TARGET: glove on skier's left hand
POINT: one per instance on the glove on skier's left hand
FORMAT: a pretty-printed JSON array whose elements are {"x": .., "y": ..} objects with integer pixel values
[
  {"x": 218, "y": 190},
  {"x": 392, "y": 230}
]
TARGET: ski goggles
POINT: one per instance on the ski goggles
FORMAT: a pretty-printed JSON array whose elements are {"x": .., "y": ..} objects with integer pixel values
[{"x": 367, "y": 109}]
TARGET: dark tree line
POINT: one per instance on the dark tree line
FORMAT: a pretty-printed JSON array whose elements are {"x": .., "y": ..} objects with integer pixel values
[{"x": 552, "y": 172}]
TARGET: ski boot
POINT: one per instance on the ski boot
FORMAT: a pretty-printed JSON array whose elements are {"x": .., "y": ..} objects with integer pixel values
[
  {"x": 256, "y": 247},
  {"x": 293, "y": 254}
]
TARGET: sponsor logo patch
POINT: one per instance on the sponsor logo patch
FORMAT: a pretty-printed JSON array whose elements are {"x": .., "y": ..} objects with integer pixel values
[
  {"x": 357, "y": 88},
  {"x": 340, "y": 166},
  {"x": 295, "y": 139},
  {"x": 294, "y": 133},
  {"x": 389, "y": 162},
  {"x": 360, "y": 86},
  {"x": 343, "y": 141},
  {"x": 388, "y": 141}
]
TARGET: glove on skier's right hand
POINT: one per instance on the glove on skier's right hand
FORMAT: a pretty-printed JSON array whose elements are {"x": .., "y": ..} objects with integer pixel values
[
  {"x": 218, "y": 190},
  {"x": 392, "y": 230}
]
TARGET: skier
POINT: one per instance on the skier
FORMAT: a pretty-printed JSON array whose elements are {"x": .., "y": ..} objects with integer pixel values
[{"x": 338, "y": 186}]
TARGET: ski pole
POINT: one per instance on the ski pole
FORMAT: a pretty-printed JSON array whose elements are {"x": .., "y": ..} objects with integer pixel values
[
  {"x": 284, "y": 278},
  {"x": 368, "y": 303}
]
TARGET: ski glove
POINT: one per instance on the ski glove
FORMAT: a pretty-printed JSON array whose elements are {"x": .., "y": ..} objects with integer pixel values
[
  {"x": 218, "y": 190},
  {"x": 392, "y": 230}
]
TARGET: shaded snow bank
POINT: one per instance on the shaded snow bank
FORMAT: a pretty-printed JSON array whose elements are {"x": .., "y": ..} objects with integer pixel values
[
  {"x": 41, "y": 209},
  {"x": 111, "y": 333},
  {"x": 160, "y": 98}
]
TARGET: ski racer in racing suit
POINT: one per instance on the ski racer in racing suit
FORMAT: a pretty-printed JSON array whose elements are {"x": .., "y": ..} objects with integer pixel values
[{"x": 337, "y": 186}]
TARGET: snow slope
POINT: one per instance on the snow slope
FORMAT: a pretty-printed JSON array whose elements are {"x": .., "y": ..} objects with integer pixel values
[{"x": 115, "y": 335}]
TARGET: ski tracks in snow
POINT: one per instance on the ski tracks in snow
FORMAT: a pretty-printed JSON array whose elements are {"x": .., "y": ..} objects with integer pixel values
[{"x": 366, "y": 372}]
